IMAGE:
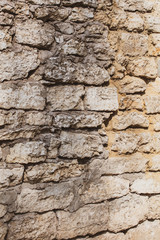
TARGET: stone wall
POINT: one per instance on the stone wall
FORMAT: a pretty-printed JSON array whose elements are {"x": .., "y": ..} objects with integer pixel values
[{"x": 79, "y": 119}]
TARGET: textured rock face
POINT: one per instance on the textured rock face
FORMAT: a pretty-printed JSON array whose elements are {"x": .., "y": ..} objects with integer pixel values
[{"x": 79, "y": 120}]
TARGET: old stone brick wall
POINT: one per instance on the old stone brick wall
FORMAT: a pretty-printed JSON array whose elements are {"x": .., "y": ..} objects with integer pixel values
[{"x": 79, "y": 119}]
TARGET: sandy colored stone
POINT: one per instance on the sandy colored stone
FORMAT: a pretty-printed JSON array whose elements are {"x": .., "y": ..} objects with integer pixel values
[
  {"x": 45, "y": 2},
  {"x": 33, "y": 226},
  {"x": 131, "y": 102},
  {"x": 89, "y": 219},
  {"x": 29, "y": 152},
  {"x": 81, "y": 14},
  {"x": 6, "y": 19},
  {"x": 78, "y": 119},
  {"x": 67, "y": 71},
  {"x": 154, "y": 163},
  {"x": 3, "y": 230},
  {"x": 154, "y": 207},
  {"x": 149, "y": 229},
  {"x": 10, "y": 176},
  {"x": 152, "y": 104},
  {"x": 38, "y": 118},
  {"x": 103, "y": 189},
  {"x": 131, "y": 85},
  {"x": 65, "y": 97},
  {"x": 143, "y": 67},
  {"x": 13, "y": 134},
  {"x": 51, "y": 197},
  {"x": 56, "y": 172},
  {"x": 135, "y": 5},
  {"x": 127, "y": 212},
  {"x": 132, "y": 119},
  {"x": 34, "y": 33},
  {"x": 86, "y": 3},
  {"x": 134, "y": 44},
  {"x": 109, "y": 236},
  {"x": 17, "y": 65},
  {"x": 80, "y": 145},
  {"x": 150, "y": 184},
  {"x": 126, "y": 164},
  {"x": 22, "y": 96},
  {"x": 152, "y": 23},
  {"x": 5, "y": 38},
  {"x": 101, "y": 99},
  {"x": 134, "y": 22}
]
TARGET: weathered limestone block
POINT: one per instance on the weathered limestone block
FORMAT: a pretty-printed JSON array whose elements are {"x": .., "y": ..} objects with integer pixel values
[
  {"x": 131, "y": 102},
  {"x": 34, "y": 33},
  {"x": 8, "y": 196},
  {"x": 7, "y": 5},
  {"x": 74, "y": 47},
  {"x": 22, "y": 96},
  {"x": 154, "y": 163},
  {"x": 135, "y": 5},
  {"x": 109, "y": 236},
  {"x": 79, "y": 120},
  {"x": 3, "y": 211},
  {"x": 52, "y": 13},
  {"x": 131, "y": 85},
  {"x": 127, "y": 212},
  {"x": 13, "y": 134},
  {"x": 5, "y": 38},
  {"x": 134, "y": 44},
  {"x": 132, "y": 119},
  {"x": 89, "y": 219},
  {"x": 65, "y": 97},
  {"x": 3, "y": 230},
  {"x": 154, "y": 207},
  {"x": 143, "y": 67},
  {"x": 103, "y": 189},
  {"x": 75, "y": 73},
  {"x": 149, "y": 229},
  {"x": 80, "y": 145},
  {"x": 127, "y": 164},
  {"x": 86, "y": 3},
  {"x": 152, "y": 23},
  {"x": 38, "y": 118},
  {"x": 101, "y": 98},
  {"x": 152, "y": 104},
  {"x": 10, "y": 176},
  {"x": 81, "y": 14},
  {"x": 56, "y": 172},
  {"x": 33, "y": 226},
  {"x": 134, "y": 22},
  {"x": 155, "y": 45},
  {"x": 30, "y": 152},
  {"x": 126, "y": 142},
  {"x": 103, "y": 51},
  {"x": 40, "y": 200},
  {"x": 17, "y": 65},
  {"x": 150, "y": 184},
  {"x": 45, "y": 2},
  {"x": 6, "y": 19},
  {"x": 11, "y": 117},
  {"x": 65, "y": 28}
]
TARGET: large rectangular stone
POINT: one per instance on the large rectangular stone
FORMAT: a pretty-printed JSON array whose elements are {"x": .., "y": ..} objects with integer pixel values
[
  {"x": 101, "y": 98},
  {"x": 135, "y": 5}
]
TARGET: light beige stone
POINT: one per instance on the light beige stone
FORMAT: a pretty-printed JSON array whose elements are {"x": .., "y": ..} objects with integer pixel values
[
  {"x": 3, "y": 230},
  {"x": 10, "y": 176},
  {"x": 135, "y": 5},
  {"x": 88, "y": 3},
  {"x": 154, "y": 163},
  {"x": 103, "y": 189},
  {"x": 45, "y": 2},
  {"x": 143, "y": 67},
  {"x": 131, "y": 102},
  {"x": 81, "y": 14},
  {"x": 5, "y": 38},
  {"x": 89, "y": 219},
  {"x": 65, "y": 97},
  {"x": 134, "y": 44},
  {"x": 132, "y": 119},
  {"x": 152, "y": 23},
  {"x": 152, "y": 104},
  {"x": 17, "y": 65},
  {"x": 80, "y": 145},
  {"x": 155, "y": 46},
  {"x": 51, "y": 197},
  {"x": 34, "y": 33},
  {"x": 148, "y": 229},
  {"x": 29, "y": 152},
  {"x": 74, "y": 47},
  {"x": 101, "y": 99},
  {"x": 127, "y": 212},
  {"x": 134, "y": 22},
  {"x": 154, "y": 207},
  {"x": 38, "y": 118},
  {"x": 3, "y": 211},
  {"x": 53, "y": 148},
  {"x": 56, "y": 172},
  {"x": 6, "y": 19},
  {"x": 33, "y": 226},
  {"x": 109, "y": 236},
  {"x": 131, "y": 85},
  {"x": 22, "y": 96},
  {"x": 150, "y": 184}
]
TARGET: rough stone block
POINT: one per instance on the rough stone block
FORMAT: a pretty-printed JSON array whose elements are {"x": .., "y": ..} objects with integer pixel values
[
  {"x": 152, "y": 104},
  {"x": 89, "y": 219},
  {"x": 131, "y": 85},
  {"x": 33, "y": 226},
  {"x": 154, "y": 163},
  {"x": 3, "y": 230},
  {"x": 5, "y": 38},
  {"x": 154, "y": 207},
  {"x": 74, "y": 47},
  {"x": 127, "y": 212},
  {"x": 65, "y": 97},
  {"x": 131, "y": 102},
  {"x": 30, "y": 152},
  {"x": 38, "y": 118},
  {"x": 134, "y": 22},
  {"x": 81, "y": 14},
  {"x": 152, "y": 23},
  {"x": 101, "y": 98},
  {"x": 135, "y": 5},
  {"x": 86, "y": 3},
  {"x": 80, "y": 145}
]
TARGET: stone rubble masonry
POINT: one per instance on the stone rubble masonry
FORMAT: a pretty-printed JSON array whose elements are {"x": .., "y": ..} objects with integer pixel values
[{"x": 79, "y": 120}]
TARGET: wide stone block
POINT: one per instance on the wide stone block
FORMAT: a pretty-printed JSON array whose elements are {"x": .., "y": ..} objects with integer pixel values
[
  {"x": 22, "y": 96},
  {"x": 131, "y": 85},
  {"x": 81, "y": 14},
  {"x": 86, "y": 3},
  {"x": 131, "y": 102},
  {"x": 80, "y": 145},
  {"x": 143, "y": 67},
  {"x": 108, "y": 236},
  {"x": 33, "y": 226},
  {"x": 17, "y": 65},
  {"x": 135, "y": 5},
  {"x": 24, "y": 153},
  {"x": 34, "y": 33},
  {"x": 127, "y": 212},
  {"x": 65, "y": 97},
  {"x": 45, "y": 2},
  {"x": 101, "y": 99},
  {"x": 89, "y": 219}
]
